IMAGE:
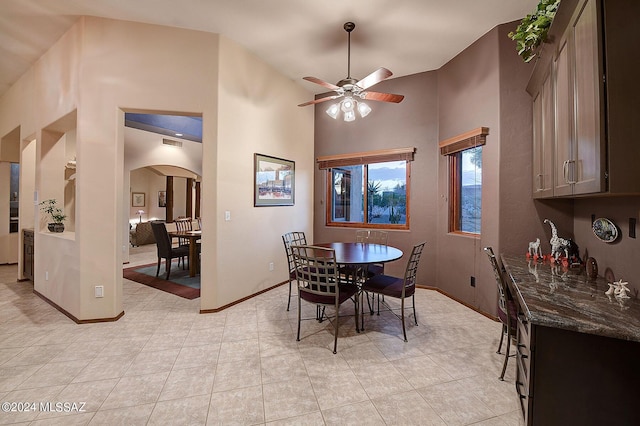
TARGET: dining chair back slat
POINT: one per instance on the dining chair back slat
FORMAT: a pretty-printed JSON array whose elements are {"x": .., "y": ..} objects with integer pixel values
[
  {"x": 319, "y": 283},
  {"x": 372, "y": 236},
  {"x": 290, "y": 239},
  {"x": 396, "y": 287}
]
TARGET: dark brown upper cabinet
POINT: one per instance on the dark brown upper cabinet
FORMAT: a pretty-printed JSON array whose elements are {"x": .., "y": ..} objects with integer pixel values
[{"x": 586, "y": 102}]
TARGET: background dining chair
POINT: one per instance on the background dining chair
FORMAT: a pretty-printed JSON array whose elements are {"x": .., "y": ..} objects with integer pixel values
[
  {"x": 289, "y": 239},
  {"x": 319, "y": 283},
  {"x": 506, "y": 308},
  {"x": 373, "y": 236},
  {"x": 165, "y": 249},
  {"x": 399, "y": 288},
  {"x": 183, "y": 224},
  {"x": 353, "y": 272}
]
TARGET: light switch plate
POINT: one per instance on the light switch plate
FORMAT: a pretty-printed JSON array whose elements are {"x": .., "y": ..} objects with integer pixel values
[{"x": 227, "y": 215}]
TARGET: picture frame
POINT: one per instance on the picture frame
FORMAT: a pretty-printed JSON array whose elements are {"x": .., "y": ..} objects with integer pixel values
[
  {"x": 137, "y": 199},
  {"x": 162, "y": 198},
  {"x": 274, "y": 181}
]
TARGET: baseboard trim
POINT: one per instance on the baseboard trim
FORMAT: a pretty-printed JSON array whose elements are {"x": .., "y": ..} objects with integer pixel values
[
  {"x": 73, "y": 318},
  {"x": 213, "y": 311},
  {"x": 444, "y": 293}
]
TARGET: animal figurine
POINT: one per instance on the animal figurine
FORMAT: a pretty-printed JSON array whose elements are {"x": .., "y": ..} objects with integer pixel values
[
  {"x": 560, "y": 246},
  {"x": 534, "y": 248},
  {"x": 621, "y": 290},
  {"x": 612, "y": 289}
]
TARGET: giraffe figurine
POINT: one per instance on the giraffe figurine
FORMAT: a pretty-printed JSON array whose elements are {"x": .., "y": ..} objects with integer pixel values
[{"x": 558, "y": 245}]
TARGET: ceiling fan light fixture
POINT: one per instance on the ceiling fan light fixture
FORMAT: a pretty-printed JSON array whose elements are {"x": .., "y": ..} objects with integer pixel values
[
  {"x": 333, "y": 111},
  {"x": 348, "y": 104},
  {"x": 363, "y": 109},
  {"x": 351, "y": 88},
  {"x": 349, "y": 115}
]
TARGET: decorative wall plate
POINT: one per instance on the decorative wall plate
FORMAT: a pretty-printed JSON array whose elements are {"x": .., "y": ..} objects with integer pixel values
[{"x": 605, "y": 230}]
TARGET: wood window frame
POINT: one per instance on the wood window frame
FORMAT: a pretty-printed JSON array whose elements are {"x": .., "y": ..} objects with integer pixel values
[
  {"x": 453, "y": 148},
  {"x": 363, "y": 159}
]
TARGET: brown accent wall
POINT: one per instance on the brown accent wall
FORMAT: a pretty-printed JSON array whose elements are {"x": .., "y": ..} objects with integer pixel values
[
  {"x": 411, "y": 123},
  {"x": 521, "y": 218},
  {"x": 623, "y": 255},
  {"x": 484, "y": 86},
  {"x": 469, "y": 97}
]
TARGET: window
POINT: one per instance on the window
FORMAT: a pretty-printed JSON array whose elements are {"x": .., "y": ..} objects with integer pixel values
[
  {"x": 368, "y": 190},
  {"x": 465, "y": 180},
  {"x": 466, "y": 191}
]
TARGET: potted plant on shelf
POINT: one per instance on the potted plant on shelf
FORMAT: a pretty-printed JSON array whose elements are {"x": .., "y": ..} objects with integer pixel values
[{"x": 55, "y": 213}]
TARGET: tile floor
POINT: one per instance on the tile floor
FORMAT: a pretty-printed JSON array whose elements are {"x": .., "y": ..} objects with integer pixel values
[{"x": 163, "y": 363}]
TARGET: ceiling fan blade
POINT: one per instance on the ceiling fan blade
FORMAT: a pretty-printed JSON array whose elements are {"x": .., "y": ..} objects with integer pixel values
[
  {"x": 317, "y": 101},
  {"x": 374, "y": 78},
  {"x": 382, "y": 97},
  {"x": 321, "y": 83}
]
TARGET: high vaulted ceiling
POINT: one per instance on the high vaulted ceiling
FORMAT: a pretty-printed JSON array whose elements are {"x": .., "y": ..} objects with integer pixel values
[{"x": 298, "y": 37}]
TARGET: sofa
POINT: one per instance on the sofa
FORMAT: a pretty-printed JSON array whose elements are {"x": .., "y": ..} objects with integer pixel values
[{"x": 141, "y": 234}]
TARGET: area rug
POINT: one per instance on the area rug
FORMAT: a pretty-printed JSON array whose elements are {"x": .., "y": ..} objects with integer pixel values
[{"x": 180, "y": 283}]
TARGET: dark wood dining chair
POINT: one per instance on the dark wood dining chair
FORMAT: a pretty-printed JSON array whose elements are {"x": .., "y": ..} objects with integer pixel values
[
  {"x": 319, "y": 283},
  {"x": 507, "y": 312},
  {"x": 185, "y": 224},
  {"x": 295, "y": 238},
  {"x": 165, "y": 249},
  {"x": 396, "y": 287}
]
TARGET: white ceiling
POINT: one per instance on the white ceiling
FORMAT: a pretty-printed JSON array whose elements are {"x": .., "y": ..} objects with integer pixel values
[{"x": 298, "y": 37}]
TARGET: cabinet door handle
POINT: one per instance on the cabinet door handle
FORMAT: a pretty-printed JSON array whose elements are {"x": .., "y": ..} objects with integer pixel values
[
  {"x": 565, "y": 171},
  {"x": 572, "y": 170},
  {"x": 540, "y": 181}
]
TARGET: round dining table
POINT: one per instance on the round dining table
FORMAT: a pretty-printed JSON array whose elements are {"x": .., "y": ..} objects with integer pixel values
[{"x": 362, "y": 253}]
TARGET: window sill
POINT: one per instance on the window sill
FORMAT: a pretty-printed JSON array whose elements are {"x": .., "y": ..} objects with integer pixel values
[{"x": 465, "y": 234}]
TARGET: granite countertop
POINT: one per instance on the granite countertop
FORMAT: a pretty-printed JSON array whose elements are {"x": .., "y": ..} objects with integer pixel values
[{"x": 561, "y": 297}]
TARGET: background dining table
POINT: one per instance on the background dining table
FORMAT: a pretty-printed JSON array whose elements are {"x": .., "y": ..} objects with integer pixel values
[{"x": 362, "y": 253}]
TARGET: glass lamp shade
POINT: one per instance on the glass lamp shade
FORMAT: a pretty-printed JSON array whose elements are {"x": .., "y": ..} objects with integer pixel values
[
  {"x": 349, "y": 115},
  {"x": 347, "y": 104},
  {"x": 363, "y": 109},
  {"x": 333, "y": 111}
]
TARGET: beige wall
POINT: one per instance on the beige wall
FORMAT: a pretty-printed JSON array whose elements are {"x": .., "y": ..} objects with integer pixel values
[
  {"x": 102, "y": 68},
  {"x": 258, "y": 114}
]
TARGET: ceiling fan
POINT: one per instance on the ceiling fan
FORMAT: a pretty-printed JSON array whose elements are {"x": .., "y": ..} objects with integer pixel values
[{"x": 350, "y": 89}]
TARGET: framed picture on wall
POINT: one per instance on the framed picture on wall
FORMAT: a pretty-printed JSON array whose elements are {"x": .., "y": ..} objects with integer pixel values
[
  {"x": 162, "y": 198},
  {"x": 274, "y": 183},
  {"x": 137, "y": 199}
]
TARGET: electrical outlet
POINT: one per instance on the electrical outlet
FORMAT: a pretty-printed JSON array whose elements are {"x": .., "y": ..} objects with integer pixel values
[
  {"x": 271, "y": 266},
  {"x": 473, "y": 281}
]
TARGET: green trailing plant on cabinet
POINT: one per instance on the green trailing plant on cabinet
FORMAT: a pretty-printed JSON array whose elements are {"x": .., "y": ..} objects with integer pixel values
[{"x": 533, "y": 29}]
